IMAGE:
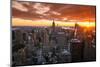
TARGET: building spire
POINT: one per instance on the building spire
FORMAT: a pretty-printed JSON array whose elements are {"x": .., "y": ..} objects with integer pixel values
[
  {"x": 53, "y": 23},
  {"x": 53, "y": 26}
]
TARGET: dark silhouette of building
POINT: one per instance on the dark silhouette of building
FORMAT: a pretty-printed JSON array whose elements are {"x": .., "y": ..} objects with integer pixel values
[
  {"x": 76, "y": 50},
  {"x": 53, "y": 26}
]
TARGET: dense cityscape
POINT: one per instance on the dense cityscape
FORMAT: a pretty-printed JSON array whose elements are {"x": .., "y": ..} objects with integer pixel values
[
  {"x": 52, "y": 33},
  {"x": 52, "y": 45}
]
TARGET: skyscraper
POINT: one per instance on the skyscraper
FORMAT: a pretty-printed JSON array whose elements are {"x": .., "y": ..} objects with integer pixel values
[{"x": 53, "y": 26}]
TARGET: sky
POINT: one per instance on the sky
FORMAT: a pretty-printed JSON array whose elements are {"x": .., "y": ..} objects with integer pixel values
[{"x": 42, "y": 14}]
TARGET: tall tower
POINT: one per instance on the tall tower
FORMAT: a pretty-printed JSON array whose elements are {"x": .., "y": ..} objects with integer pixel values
[
  {"x": 53, "y": 26},
  {"x": 75, "y": 31}
]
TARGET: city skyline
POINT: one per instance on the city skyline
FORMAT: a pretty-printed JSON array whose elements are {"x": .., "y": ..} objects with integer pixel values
[{"x": 51, "y": 33}]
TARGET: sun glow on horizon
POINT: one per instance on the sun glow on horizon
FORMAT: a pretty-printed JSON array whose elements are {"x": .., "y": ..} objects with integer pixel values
[{"x": 24, "y": 22}]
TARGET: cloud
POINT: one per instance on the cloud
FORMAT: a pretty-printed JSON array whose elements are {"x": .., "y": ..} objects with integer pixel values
[
  {"x": 26, "y": 3},
  {"x": 55, "y": 13},
  {"x": 41, "y": 9},
  {"x": 68, "y": 12},
  {"x": 64, "y": 18},
  {"x": 19, "y": 6}
]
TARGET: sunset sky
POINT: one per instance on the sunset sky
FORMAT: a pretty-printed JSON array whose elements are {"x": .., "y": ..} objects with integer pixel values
[{"x": 42, "y": 14}]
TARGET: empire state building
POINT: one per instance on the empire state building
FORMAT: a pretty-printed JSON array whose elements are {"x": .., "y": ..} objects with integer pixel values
[{"x": 53, "y": 26}]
